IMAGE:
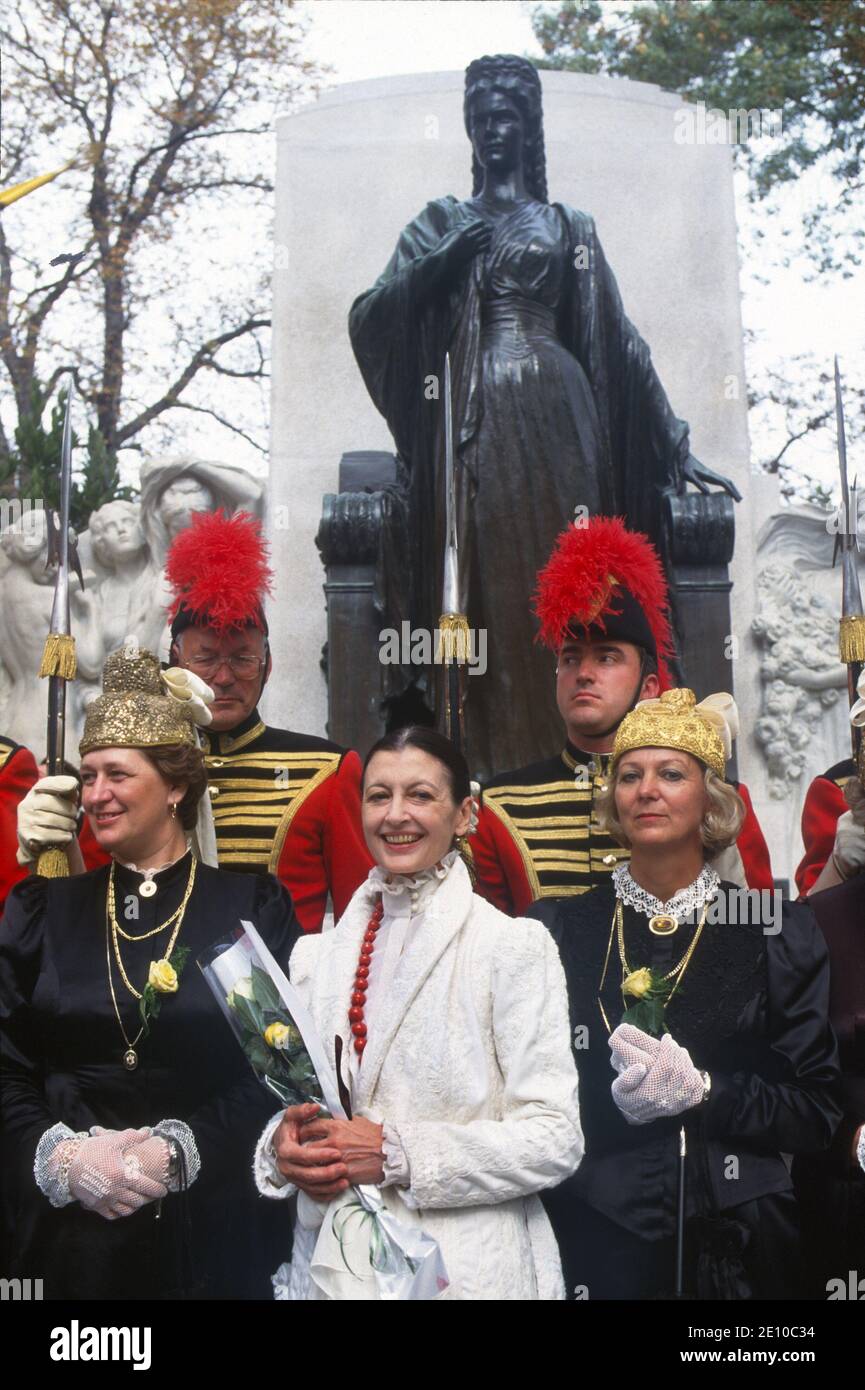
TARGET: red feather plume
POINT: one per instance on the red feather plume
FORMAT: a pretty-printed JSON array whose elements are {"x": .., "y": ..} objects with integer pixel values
[
  {"x": 217, "y": 567},
  {"x": 578, "y": 580}
]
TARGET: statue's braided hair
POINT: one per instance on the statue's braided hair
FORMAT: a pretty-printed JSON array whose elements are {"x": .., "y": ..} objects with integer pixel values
[{"x": 517, "y": 79}]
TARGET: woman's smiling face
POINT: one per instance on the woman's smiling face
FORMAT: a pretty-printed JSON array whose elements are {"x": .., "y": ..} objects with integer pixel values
[
  {"x": 409, "y": 815},
  {"x": 127, "y": 801}
]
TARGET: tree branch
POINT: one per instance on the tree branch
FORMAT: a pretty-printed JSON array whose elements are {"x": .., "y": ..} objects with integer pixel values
[
  {"x": 205, "y": 410},
  {"x": 202, "y": 357},
  {"x": 773, "y": 464}
]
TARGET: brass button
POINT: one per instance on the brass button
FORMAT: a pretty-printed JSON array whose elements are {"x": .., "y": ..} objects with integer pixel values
[{"x": 214, "y": 791}]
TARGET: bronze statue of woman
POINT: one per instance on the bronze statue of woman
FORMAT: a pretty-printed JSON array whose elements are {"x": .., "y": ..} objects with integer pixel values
[{"x": 556, "y": 403}]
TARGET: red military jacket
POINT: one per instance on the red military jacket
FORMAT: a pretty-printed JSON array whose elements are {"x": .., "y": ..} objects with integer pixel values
[
  {"x": 18, "y": 773},
  {"x": 824, "y": 803},
  {"x": 538, "y": 835},
  {"x": 288, "y": 804}
]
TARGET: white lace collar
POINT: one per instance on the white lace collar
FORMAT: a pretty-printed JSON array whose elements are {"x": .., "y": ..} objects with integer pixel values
[
  {"x": 410, "y": 893},
  {"x": 158, "y": 868},
  {"x": 682, "y": 904}
]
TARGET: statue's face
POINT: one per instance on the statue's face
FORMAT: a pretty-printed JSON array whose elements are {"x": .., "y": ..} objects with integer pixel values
[
  {"x": 497, "y": 132},
  {"x": 28, "y": 541},
  {"x": 180, "y": 499},
  {"x": 119, "y": 533}
]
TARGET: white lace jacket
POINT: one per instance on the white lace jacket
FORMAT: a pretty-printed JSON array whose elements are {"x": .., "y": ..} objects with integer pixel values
[{"x": 470, "y": 1064}]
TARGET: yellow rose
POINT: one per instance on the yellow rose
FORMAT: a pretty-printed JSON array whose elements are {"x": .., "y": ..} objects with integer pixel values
[
  {"x": 638, "y": 983},
  {"x": 276, "y": 1035},
  {"x": 163, "y": 977}
]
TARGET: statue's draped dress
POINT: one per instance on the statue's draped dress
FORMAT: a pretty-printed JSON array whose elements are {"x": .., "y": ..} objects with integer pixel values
[{"x": 557, "y": 407}]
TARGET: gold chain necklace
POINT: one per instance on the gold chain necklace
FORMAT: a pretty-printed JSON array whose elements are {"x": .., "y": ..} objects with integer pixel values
[
  {"x": 178, "y": 912},
  {"x": 130, "y": 1056},
  {"x": 617, "y": 927},
  {"x": 112, "y": 929},
  {"x": 115, "y": 929}
]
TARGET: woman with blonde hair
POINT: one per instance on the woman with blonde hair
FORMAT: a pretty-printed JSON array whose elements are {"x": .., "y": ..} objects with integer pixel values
[{"x": 699, "y": 1017}]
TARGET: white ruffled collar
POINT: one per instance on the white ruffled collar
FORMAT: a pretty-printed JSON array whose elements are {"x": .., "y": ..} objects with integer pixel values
[
  {"x": 410, "y": 893},
  {"x": 682, "y": 904},
  {"x": 158, "y": 869}
]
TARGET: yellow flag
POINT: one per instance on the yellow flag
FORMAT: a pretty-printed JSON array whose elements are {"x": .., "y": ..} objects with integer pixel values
[{"x": 20, "y": 190}]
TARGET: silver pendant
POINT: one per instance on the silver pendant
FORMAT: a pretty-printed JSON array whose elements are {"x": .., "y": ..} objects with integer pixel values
[
  {"x": 147, "y": 888},
  {"x": 130, "y": 1059}
]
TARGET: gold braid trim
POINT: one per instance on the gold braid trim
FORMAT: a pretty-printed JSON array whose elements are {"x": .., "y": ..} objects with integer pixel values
[
  {"x": 851, "y": 639},
  {"x": 58, "y": 656}
]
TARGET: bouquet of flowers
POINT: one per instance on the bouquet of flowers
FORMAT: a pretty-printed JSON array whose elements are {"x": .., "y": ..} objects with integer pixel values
[{"x": 281, "y": 1044}]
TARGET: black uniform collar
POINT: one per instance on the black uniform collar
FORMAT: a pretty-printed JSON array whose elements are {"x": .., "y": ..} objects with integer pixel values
[
  {"x": 231, "y": 740},
  {"x": 574, "y": 757}
]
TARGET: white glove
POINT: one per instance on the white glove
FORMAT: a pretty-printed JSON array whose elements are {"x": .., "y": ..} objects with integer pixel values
[
  {"x": 190, "y": 690},
  {"x": 849, "y": 848},
  {"x": 47, "y": 817},
  {"x": 103, "y": 1180},
  {"x": 656, "y": 1076}
]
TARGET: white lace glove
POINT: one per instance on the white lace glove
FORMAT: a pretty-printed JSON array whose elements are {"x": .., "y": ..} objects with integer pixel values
[
  {"x": 47, "y": 817},
  {"x": 192, "y": 692},
  {"x": 656, "y": 1076},
  {"x": 848, "y": 851},
  {"x": 101, "y": 1179}
]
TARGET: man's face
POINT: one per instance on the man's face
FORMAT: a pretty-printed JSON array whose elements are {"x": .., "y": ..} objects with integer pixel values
[
  {"x": 237, "y": 688},
  {"x": 596, "y": 685}
]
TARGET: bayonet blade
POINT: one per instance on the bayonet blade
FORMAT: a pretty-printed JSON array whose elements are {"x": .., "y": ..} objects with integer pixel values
[{"x": 451, "y": 588}]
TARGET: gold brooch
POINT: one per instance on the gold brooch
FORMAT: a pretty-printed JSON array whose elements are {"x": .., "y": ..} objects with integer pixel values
[{"x": 664, "y": 924}]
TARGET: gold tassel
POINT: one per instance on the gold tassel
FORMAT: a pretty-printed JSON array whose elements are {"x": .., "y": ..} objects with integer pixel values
[
  {"x": 454, "y": 640},
  {"x": 52, "y": 863},
  {"x": 58, "y": 656},
  {"x": 852, "y": 638}
]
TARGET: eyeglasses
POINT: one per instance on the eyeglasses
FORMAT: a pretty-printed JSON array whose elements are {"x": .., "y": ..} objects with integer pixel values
[{"x": 246, "y": 668}]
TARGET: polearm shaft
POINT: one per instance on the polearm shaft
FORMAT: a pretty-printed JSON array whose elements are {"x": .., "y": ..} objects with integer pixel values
[
  {"x": 453, "y": 635},
  {"x": 58, "y": 657},
  {"x": 852, "y": 633}
]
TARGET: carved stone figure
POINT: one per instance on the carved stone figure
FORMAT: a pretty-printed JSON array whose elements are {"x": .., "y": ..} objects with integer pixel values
[
  {"x": 28, "y": 595},
  {"x": 557, "y": 406},
  {"x": 171, "y": 490},
  {"x": 803, "y": 727}
]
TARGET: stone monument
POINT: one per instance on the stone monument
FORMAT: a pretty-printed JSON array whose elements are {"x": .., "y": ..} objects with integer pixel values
[{"x": 363, "y": 161}]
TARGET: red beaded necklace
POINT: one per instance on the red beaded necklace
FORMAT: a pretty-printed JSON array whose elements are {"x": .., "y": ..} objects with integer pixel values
[{"x": 361, "y": 979}]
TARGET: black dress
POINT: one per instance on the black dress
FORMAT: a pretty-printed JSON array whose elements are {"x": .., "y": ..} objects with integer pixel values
[
  {"x": 830, "y": 1186},
  {"x": 62, "y": 1053},
  {"x": 752, "y": 1010}
]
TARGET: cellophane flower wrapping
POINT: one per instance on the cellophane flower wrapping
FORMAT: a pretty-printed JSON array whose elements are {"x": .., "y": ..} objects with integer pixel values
[{"x": 281, "y": 1044}]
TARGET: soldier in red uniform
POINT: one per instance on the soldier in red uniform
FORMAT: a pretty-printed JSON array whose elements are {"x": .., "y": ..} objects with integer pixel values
[
  {"x": 18, "y": 773},
  {"x": 283, "y": 803},
  {"x": 824, "y": 806},
  {"x": 602, "y": 601}
]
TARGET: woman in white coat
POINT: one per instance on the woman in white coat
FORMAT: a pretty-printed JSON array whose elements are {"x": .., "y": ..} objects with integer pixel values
[{"x": 455, "y": 1046}]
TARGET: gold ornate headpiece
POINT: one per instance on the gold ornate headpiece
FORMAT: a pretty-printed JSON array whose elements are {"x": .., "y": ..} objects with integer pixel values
[
  {"x": 142, "y": 706},
  {"x": 675, "y": 720}
]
